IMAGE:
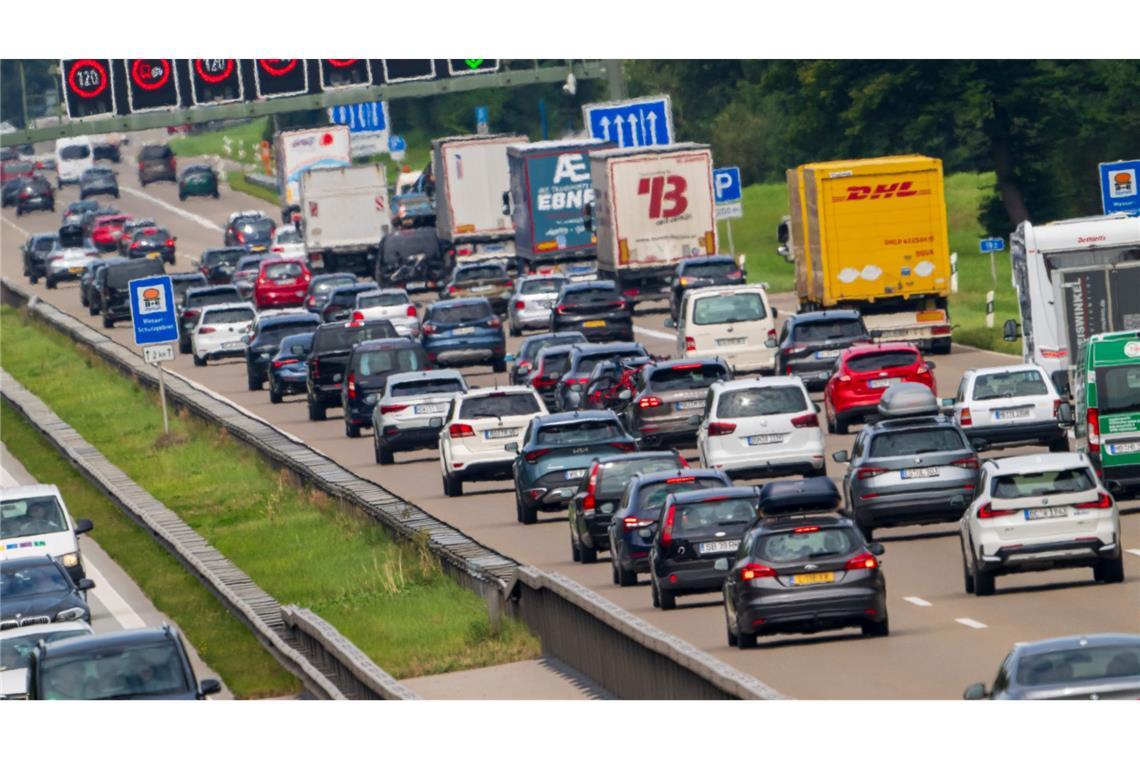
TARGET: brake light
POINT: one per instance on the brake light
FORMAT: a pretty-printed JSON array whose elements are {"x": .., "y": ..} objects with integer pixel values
[
  {"x": 452, "y": 289},
  {"x": 170, "y": 243},
  {"x": 494, "y": 322},
  {"x": 357, "y": 316},
  {"x": 687, "y": 366},
  {"x": 1092, "y": 420},
  {"x": 970, "y": 463},
  {"x": 411, "y": 310},
  {"x": 312, "y": 300},
  {"x": 682, "y": 479},
  {"x": 460, "y": 430},
  {"x": 754, "y": 570},
  {"x": 862, "y": 473},
  {"x": 722, "y": 428},
  {"x": 634, "y": 523},
  {"x": 649, "y": 402},
  {"x": 690, "y": 343},
  {"x": 519, "y": 305},
  {"x": 351, "y": 385},
  {"x": 537, "y": 454},
  {"x": 190, "y": 313},
  {"x": 617, "y": 304},
  {"x": 1103, "y": 501},
  {"x": 428, "y": 328},
  {"x": 865, "y": 561},
  {"x": 561, "y": 309},
  {"x": 1056, "y": 407},
  {"x": 589, "y": 503},
  {"x": 667, "y": 526},
  {"x": 805, "y": 421},
  {"x": 135, "y": 245},
  {"x": 807, "y": 529},
  {"x": 624, "y": 446},
  {"x": 987, "y": 512},
  {"x": 967, "y": 418},
  {"x": 206, "y": 330},
  {"x": 509, "y": 284},
  {"x": 392, "y": 408},
  {"x": 544, "y": 382},
  {"x": 792, "y": 349},
  {"x": 240, "y": 236},
  {"x": 772, "y": 336},
  {"x": 279, "y": 363},
  {"x": 631, "y": 292},
  {"x": 278, "y": 249}
]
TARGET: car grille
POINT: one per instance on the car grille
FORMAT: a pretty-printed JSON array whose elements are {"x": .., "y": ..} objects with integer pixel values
[{"x": 17, "y": 622}]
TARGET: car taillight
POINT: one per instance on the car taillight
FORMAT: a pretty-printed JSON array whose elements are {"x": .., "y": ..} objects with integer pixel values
[
  {"x": 667, "y": 526},
  {"x": 537, "y": 454},
  {"x": 519, "y": 305},
  {"x": 690, "y": 343},
  {"x": 452, "y": 289},
  {"x": 649, "y": 402},
  {"x": 135, "y": 244},
  {"x": 805, "y": 421},
  {"x": 141, "y": 165},
  {"x": 206, "y": 330},
  {"x": 590, "y": 502},
  {"x": 278, "y": 249},
  {"x": 561, "y": 309},
  {"x": 460, "y": 430},
  {"x": 411, "y": 310},
  {"x": 987, "y": 512},
  {"x": 722, "y": 428},
  {"x": 509, "y": 284},
  {"x": 624, "y": 445},
  {"x": 428, "y": 328},
  {"x": 635, "y": 523},
  {"x": 392, "y": 408},
  {"x": 240, "y": 237},
  {"x": 1092, "y": 420},
  {"x": 190, "y": 313},
  {"x": 862, "y": 473},
  {"x": 1103, "y": 501},
  {"x": 682, "y": 479},
  {"x": 1056, "y": 407},
  {"x": 494, "y": 322},
  {"x": 864, "y": 561},
  {"x": 170, "y": 243},
  {"x": 544, "y": 382},
  {"x": 630, "y": 292},
  {"x": 617, "y": 304},
  {"x": 55, "y": 258},
  {"x": 967, "y": 418},
  {"x": 350, "y": 386},
  {"x": 754, "y": 570},
  {"x": 357, "y": 316},
  {"x": 807, "y": 529},
  {"x": 312, "y": 300},
  {"x": 843, "y": 379},
  {"x": 315, "y": 366},
  {"x": 970, "y": 463},
  {"x": 279, "y": 363}
]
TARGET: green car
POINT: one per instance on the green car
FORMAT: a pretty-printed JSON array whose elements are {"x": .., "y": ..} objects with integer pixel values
[
  {"x": 1107, "y": 393},
  {"x": 197, "y": 179}
]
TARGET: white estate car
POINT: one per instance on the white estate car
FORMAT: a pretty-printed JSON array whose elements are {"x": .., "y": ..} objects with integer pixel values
[
  {"x": 288, "y": 244},
  {"x": 761, "y": 427},
  {"x": 1010, "y": 406},
  {"x": 392, "y": 304},
  {"x": 34, "y": 521},
  {"x": 219, "y": 331},
  {"x": 1039, "y": 512},
  {"x": 16, "y": 645},
  {"x": 532, "y": 301},
  {"x": 410, "y": 413},
  {"x": 481, "y": 437}
]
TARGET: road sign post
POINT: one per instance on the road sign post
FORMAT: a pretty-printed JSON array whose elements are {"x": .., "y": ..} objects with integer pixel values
[
  {"x": 397, "y": 147},
  {"x": 990, "y": 246},
  {"x": 727, "y": 193},
  {"x": 482, "y": 120},
  {"x": 154, "y": 322},
  {"x": 631, "y": 123},
  {"x": 1118, "y": 189}
]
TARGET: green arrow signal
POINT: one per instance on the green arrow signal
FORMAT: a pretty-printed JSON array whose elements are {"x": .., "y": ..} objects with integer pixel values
[{"x": 473, "y": 63}]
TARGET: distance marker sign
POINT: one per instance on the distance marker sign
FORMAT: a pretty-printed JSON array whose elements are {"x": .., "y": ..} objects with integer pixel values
[{"x": 89, "y": 89}]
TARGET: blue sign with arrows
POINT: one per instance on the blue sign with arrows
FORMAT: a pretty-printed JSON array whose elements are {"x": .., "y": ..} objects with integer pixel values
[
  {"x": 631, "y": 123},
  {"x": 152, "y": 310},
  {"x": 991, "y": 245},
  {"x": 361, "y": 117}
]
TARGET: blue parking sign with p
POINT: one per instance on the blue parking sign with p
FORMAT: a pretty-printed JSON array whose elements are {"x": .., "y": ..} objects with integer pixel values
[
  {"x": 726, "y": 184},
  {"x": 152, "y": 310}
]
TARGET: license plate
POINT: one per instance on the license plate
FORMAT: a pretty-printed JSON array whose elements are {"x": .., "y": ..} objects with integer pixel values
[
  {"x": 463, "y": 331},
  {"x": 418, "y": 285},
  {"x": 153, "y": 255},
  {"x": 574, "y": 474},
  {"x": 481, "y": 288},
  {"x": 428, "y": 408},
  {"x": 1116, "y": 449},
  {"x": 1011, "y": 414},
  {"x": 233, "y": 344},
  {"x": 286, "y": 282},
  {"x": 718, "y": 547},
  {"x": 493, "y": 248},
  {"x": 826, "y": 354},
  {"x": 76, "y": 270},
  {"x": 730, "y": 341},
  {"x": 919, "y": 472},
  {"x": 501, "y": 433},
  {"x": 809, "y": 579},
  {"x": 1045, "y": 513},
  {"x": 595, "y": 323},
  {"x": 883, "y": 382},
  {"x": 760, "y": 440},
  {"x": 698, "y": 404},
  {"x": 511, "y": 447}
]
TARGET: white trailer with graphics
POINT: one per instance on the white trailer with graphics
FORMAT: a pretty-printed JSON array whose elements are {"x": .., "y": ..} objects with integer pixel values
[
  {"x": 344, "y": 213},
  {"x": 299, "y": 150}
]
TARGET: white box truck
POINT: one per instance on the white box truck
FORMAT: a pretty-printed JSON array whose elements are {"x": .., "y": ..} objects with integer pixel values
[
  {"x": 652, "y": 207},
  {"x": 299, "y": 150},
  {"x": 344, "y": 213},
  {"x": 471, "y": 174}
]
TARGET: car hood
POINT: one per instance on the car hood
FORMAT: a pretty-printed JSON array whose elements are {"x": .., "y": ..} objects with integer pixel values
[{"x": 38, "y": 604}]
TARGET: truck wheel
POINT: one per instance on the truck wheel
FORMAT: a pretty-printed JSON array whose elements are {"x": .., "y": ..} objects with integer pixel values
[
  {"x": 941, "y": 345},
  {"x": 316, "y": 411}
]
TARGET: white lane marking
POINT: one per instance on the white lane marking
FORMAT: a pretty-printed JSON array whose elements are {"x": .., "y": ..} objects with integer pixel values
[
  {"x": 1133, "y": 551},
  {"x": 656, "y": 333},
  {"x": 970, "y": 623},
  {"x": 18, "y": 227},
  {"x": 917, "y": 601},
  {"x": 115, "y": 604},
  {"x": 170, "y": 207}
]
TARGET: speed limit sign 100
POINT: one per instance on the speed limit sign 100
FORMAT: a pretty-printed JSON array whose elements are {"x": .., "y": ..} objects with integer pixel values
[{"x": 88, "y": 86}]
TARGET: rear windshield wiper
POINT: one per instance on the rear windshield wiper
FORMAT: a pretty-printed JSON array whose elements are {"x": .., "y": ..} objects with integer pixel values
[{"x": 814, "y": 555}]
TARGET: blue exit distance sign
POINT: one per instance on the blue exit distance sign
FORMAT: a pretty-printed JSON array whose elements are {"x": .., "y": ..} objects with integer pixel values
[{"x": 990, "y": 245}]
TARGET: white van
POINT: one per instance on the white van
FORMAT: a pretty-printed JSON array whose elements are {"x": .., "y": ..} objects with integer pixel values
[
  {"x": 73, "y": 156},
  {"x": 34, "y": 521},
  {"x": 733, "y": 322}
]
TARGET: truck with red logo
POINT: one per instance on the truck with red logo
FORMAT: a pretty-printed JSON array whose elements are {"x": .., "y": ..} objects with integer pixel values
[
  {"x": 871, "y": 234},
  {"x": 652, "y": 207},
  {"x": 344, "y": 213},
  {"x": 299, "y": 150}
]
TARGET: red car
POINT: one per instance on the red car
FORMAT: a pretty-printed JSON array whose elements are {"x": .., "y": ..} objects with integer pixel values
[
  {"x": 863, "y": 373},
  {"x": 107, "y": 231},
  {"x": 281, "y": 282}
]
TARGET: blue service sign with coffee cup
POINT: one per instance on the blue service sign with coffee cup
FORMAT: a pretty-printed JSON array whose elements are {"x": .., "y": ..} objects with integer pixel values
[{"x": 152, "y": 310}]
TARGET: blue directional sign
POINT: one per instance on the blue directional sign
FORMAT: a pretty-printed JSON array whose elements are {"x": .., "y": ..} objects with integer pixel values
[
  {"x": 991, "y": 245},
  {"x": 726, "y": 184},
  {"x": 396, "y": 144},
  {"x": 152, "y": 310},
  {"x": 1118, "y": 191},
  {"x": 482, "y": 119},
  {"x": 631, "y": 123},
  {"x": 361, "y": 117}
]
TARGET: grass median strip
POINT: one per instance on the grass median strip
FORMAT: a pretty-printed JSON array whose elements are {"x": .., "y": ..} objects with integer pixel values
[
  {"x": 222, "y": 640},
  {"x": 393, "y": 601}
]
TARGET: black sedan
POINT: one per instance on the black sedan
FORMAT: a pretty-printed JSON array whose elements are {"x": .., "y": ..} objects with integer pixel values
[
  {"x": 38, "y": 590},
  {"x": 218, "y": 264},
  {"x": 36, "y": 194},
  {"x": 1089, "y": 666},
  {"x": 595, "y": 309},
  {"x": 152, "y": 242}
]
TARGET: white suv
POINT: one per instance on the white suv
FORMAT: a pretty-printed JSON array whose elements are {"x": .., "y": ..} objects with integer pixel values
[
  {"x": 482, "y": 435},
  {"x": 34, "y": 521},
  {"x": 761, "y": 427},
  {"x": 1039, "y": 512},
  {"x": 410, "y": 413},
  {"x": 1010, "y": 406}
]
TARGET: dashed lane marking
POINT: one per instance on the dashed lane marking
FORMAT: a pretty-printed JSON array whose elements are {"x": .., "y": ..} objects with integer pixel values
[
  {"x": 18, "y": 227},
  {"x": 212, "y": 226},
  {"x": 115, "y": 604},
  {"x": 917, "y": 601},
  {"x": 1134, "y": 551},
  {"x": 655, "y": 333},
  {"x": 970, "y": 623}
]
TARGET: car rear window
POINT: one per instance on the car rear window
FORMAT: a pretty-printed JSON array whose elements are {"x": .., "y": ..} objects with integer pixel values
[
  {"x": 155, "y": 234},
  {"x": 1118, "y": 389},
  {"x": 544, "y": 285},
  {"x": 499, "y": 405},
  {"x": 710, "y": 514},
  {"x": 324, "y": 286},
  {"x": 288, "y": 236},
  {"x": 726, "y": 309},
  {"x": 709, "y": 269},
  {"x": 818, "y": 331},
  {"x": 284, "y": 271},
  {"x": 214, "y": 258},
  {"x": 652, "y": 497},
  {"x": 118, "y": 275},
  {"x": 757, "y": 402},
  {"x": 480, "y": 273},
  {"x": 372, "y": 363},
  {"x": 590, "y": 295},
  {"x": 277, "y": 332},
  {"x": 613, "y": 477},
  {"x": 1028, "y": 382},
  {"x": 427, "y": 387},
  {"x": 882, "y": 360},
  {"x": 802, "y": 545},
  {"x": 183, "y": 284},
  {"x": 207, "y": 299},
  {"x": 555, "y": 361},
  {"x": 152, "y": 669},
  {"x": 579, "y": 432},
  {"x": 252, "y": 264},
  {"x": 74, "y": 152},
  {"x": 344, "y": 297},
  {"x": 686, "y": 376},
  {"x": 1083, "y": 664},
  {"x": 461, "y": 312},
  {"x": 1020, "y": 486},
  {"x": 382, "y": 299},
  {"x": 31, "y": 516},
  {"x": 340, "y": 337},
  {"x": 153, "y": 152},
  {"x": 16, "y": 651},
  {"x": 45, "y": 243},
  {"x": 905, "y": 443},
  {"x": 227, "y": 316},
  {"x": 260, "y": 227},
  {"x": 531, "y": 348},
  {"x": 587, "y": 362}
]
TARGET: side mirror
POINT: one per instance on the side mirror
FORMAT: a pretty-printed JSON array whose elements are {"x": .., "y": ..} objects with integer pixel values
[
  {"x": 980, "y": 444},
  {"x": 506, "y": 203},
  {"x": 876, "y": 548},
  {"x": 817, "y": 408},
  {"x": 876, "y": 334},
  {"x": 209, "y": 686},
  {"x": 670, "y": 324},
  {"x": 930, "y": 365},
  {"x": 83, "y": 526},
  {"x": 1061, "y": 382},
  {"x": 694, "y": 420},
  {"x": 1065, "y": 413},
  {"x": 975, "y": 691},
  {"x": 625, "y": 394},
  {"x": 775, "y": 312},
  {"x": 840, "y": 456},
  {"x": 1009, "y": 331},
  {"x": 85, "y": 584}
]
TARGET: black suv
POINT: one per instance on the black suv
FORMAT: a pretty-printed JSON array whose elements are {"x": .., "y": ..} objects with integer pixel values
[
  {"x": 369, "y": 366},
  {"x": 595, "y": 309},
  {"x": 327, "y": 364},
  {"x": 341, "y": 301},
  {"x": 412, "y": 259},
  {"x": 157, "y": 162},
  {"x": 141, "y": 663},
  {"x": 113, "y": 279},
  {"x": 35, "y": 250},
  {"x": 702, "y": 272},
  {"x": 218, "y": 264},
  {"x": 524, "y": 361},
  {"x": 268, "y": 332},
  {"x": 802, "y": 568},
  {"x": 253, "y": 231},
  {"x": 190, "y": 307},
  {"x": 810, "y": 343}
]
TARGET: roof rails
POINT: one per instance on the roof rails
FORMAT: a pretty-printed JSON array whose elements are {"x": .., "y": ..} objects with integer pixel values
[{"x": 789, "y": 498}]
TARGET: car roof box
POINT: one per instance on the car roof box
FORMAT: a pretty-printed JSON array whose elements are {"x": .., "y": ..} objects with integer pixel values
[
  {"x": 908, "y": 400},
  {"x": 789, "y": 497}
]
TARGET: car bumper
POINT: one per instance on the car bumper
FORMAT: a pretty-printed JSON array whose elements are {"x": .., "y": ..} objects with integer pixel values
[
  {"x": 668, "y": 429},
  {"x": 472, "y": 469},
  {"x": 549, "y": 498},
  {"x": 1046, "y": 555},
  {"x": 458, "y": 352},
  {"x": 279, "y": 297},
  {"x": 39, "y": 202},
  {"x": 912, "y": 507},
  {"x": 856, "y": 412},
  {"x": 1015, "y": 434},
  {"x": 809, "y": 611},
  {"x": 633, "y": 557},
  {"x": 289, "y": 385},
  {"x": 597, "y": 533},
  {"x": 1125, "y": 476},
  {"x": 407, "y": 439},
  {"x": 814, "y": 374},
  {"x": 676, "y": 577},
  {"x": 807, "y": 461},
  {"x": 219, "y": 352},
  {"x": 613, "y": 331}
]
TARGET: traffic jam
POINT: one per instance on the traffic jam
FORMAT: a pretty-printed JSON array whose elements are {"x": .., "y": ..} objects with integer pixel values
[{"x": 491, "y": 313}]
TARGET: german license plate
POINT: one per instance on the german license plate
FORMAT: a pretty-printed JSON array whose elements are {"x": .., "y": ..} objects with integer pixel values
[
  {"x": 231, "y": 344},
  {"x": 1045, "y": 513},
  {"x": 919, "y": 472},
  {"x": 501, "y": 433},
  {"x": 1116, "y": 449},
  {"x": 595, "y": 323},
  {"x": 883, "y": 382},
  {"x": 428, "y": 408},
  {"x": 696, "y": 404},
  {"x": 481, "y": 288},
  {"x": 717, "y": 547},
  {"x": 826, "y": 354},
  {"x": 730, "y": 341},
  {"x": 1011, "y": 414},
  {"x": 810, "y": 579},
  {"x": 760, "y": 440},
  {"x": 154, "y": 255},
  {"x": 416, "y": 285},
  {"x": 575, "y": 474},
  {"x": 463, "y": 331},
  {"x": 76, "y": 270}
]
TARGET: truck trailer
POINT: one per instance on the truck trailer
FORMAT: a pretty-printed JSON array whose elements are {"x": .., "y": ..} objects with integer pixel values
[
  {"x": 299, "y": 150},
  {"x": 344, "y": 214}
]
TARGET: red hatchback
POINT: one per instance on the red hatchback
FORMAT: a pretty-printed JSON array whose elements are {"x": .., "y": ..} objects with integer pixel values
[
  {"x": 863, "y": 373},
  {"x": 281, "y": 282},
  {"x": 107, "y": 231}
]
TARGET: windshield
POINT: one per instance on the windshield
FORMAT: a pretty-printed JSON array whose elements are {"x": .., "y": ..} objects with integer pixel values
[
  {"x": 381, "y": 299},
  {"x": 1027, "y": 382},
  {"x": 710, "y": 269},
  {"x": 905, "y": 443},
  {"x": 756, "y": 402},
  {"x": 15, "y": 652},
  {"x": 31, "y": 517},
  {"x": 800, "y": 546},
  {"x": 276, "y": 333},
  {"x": 261, "y": 228},
  {"x": 579, "y": 433},
  {"x": 153, "y": 152},
  {"x": 726, "y": 309},
  {"x": 613, "y": 477},
  {"x": 45, "y": 243},
  {"x": 463, "y": 312},
  {"x": 545, "y": 285},
  {"x": 498, "y": 405},
  {"x": 1042, "y": 483},
  {"x": 1118, "y": 389},
  {"x": 74, "y": 152},
  {"x": 686, "y": 377},
  {"x": 214, "y": 258},
  {"x": 18, "y": 167},
  {"x": 371, "y": 363},
  {"x": 227, "y": 316},
  {"x": 652, "y": 497},
  {"x": 249, "y": 265},
  {"x": 428, "y": 387},
  {"x": 586, "y": 363},
  {"x": 46, "y": 578},
  {"x": 284, "y": 271},
  {"x": 139, "y": 671},
  {"x": 324, "y": 286},
  {"x": 710, "y": 514},
  {"x": 207, "y": 299},
  {"x": 555, "y": 361},
  {"x": 531, "y": 348},
  {"x": 882, "y": 360},
  {"x": 288, "y": 235},
  {"x": 153, "y": 235},
  {"x": 818, "y": 331},
  {"x": 342, "y": 338},
  {"x": 590, "y": 295},
  {"x": 1083, "y": 664},
  {"x": 183, "y": 284},
  {"x": 480, "y": 273}
]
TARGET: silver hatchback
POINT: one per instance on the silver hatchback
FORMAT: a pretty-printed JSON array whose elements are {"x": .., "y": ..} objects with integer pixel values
[{"x": 532, "y": 301}]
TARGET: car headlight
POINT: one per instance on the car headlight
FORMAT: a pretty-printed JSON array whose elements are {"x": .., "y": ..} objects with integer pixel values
[
  {"x": 70, "y": 560},
  {"x": 370, "y": 399},
  {"x": 71, "y": 613}
]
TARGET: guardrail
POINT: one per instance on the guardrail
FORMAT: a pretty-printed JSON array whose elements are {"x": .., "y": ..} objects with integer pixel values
[
  {"x": 574, "y": 623},
  {"x": 261, "y": 180}
]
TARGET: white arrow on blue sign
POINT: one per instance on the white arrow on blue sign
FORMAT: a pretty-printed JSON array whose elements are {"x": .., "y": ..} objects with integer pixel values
[
  {"x": 631, "y": 123},
  {"x": 361, "y": 117},
  {"x": 726, "y": 184},
  {"x": 990, "y": 245}
]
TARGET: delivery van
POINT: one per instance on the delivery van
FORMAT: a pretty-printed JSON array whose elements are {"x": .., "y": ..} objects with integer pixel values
[
  {"x": 73, "y": 156},
  {"x": 735, "y": 323},
  {"x": 1107, "y": 393}
]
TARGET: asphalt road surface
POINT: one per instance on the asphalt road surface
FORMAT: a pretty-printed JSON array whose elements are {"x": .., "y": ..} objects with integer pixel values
[{"x": 941, "y": 639}]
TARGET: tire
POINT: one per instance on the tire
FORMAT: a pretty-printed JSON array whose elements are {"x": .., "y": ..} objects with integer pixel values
[
  {"x": 116, "y": 195},
  {"x": 274, "y": 396},
  {"x": 830, "y": 424},
  {"x": 142, "y": 181},
  {"x": 215, "y": 194},
  {"x": 867, "y": 531},
  {"x": 50, "y": 283},
  {"x": 514, "y": 331},
  {"x": 33, "y": 279},
  {"x": 384, "y": 455},
  {"x": 452, "y": 486},
  {"x": 526, "y": 515},
  {"x": 941, "y": 345},
  {"x": 19, "y": 210},
  {"x": 733, "y": 639},
  {"x": 667, "y": 599},
  {"x": 254, "y": 383},
  {"x": 169, "y": 261},
  {"x": 841, "y": 426},
  {"x": 108, "y": 322},
  {"x": 873, "y": 629},
  {"x": 589, "y": 555},
  {"x": 1110, "y": 570},
  {"x": 575, "y": 552},
  {"x": 317, "y": 411},
  {"x": 967, "y": 576},
  {"x": 92, "y": 309},
  {"x": 183, "y": 348},
  {"x": 182, "y": 197},
  {"x": 500, "y": 365},
  {"x": 622, "y": 577},
  {"x": 1061, "y": 444},
  {"x": 983, "y": 582},
  {"x": 746, "y": 640},
  {"x": 351, "y": 430},
  {"x": 199, "y": 361}
]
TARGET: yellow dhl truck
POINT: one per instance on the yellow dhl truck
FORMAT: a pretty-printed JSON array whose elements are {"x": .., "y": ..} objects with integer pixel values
[{"x": 870, "y": 234}]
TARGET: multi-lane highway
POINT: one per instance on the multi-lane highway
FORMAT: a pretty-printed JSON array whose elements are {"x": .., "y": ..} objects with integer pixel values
[{"x": 941, "y": 639}]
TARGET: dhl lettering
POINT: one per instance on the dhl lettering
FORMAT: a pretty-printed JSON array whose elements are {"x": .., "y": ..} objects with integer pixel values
[
  {"x": 909, "y": 240},
  {"x": 881, "y": 190}
]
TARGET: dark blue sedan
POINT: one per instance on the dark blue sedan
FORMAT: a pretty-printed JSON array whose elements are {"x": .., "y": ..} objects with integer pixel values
[
  {"x": 287, "y": 371},
  {"x": 464, "y": 332}
]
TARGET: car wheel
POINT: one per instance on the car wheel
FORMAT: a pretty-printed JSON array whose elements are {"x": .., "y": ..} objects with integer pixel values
[
  {"x": 667, "y": 599},
  {"x": 50, "y": 283},
  {"x": 589, "y": 554},
  {"x": 183, "y": 348},
  {"x": 452, "y": 486},
  {"x": 500, "y": 365},
  {"x": 33, "y": 279},
  {"x": 274, "y": 395},
  {"x": 733, "y": 639},
  {"x": 514, "y": 331},
  {"x": 351, "y": 430},
  {"x": 830, "y": 423},
  {"x": 622, "y": 577},
  {"x": 1061, "y": 444},
  {"x": 653, "y": 592},
  {"x": 116, "y": 195},
  {"x": 746, "y": 640},
  {"x": 182, "y": 197},
  {"x": 19, "y": 210},
  {"x": 872, "y": 628},
  {"x": 983, "y": 581},
  {"x": 967, "y": 576},
  {"x": 841, "y": 425},
  {"x": 867, "y": 531},
  {"x": 169, "y": 261},
  {"x": 1110, "y": 570},
  {"x": 215, "y": 194},
  {"x": 317, "y": 411},
  {"x": 254, "y": 383},
  {"x": 199, "y": 361},
  {"x": 575, "y": 552},
  {"x": 107, "y": 321},
  {"x": 526, "y": 515},
  {"x": 92, "y": 309}
]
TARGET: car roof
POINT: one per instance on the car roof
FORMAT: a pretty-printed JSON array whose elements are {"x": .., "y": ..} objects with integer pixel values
[
  {"x": 207, "y": 289},
  {"x": 472, "y": 264},
  {"x": 774, "y": 381},
  {"x": 584, "y": 414},
  {"x": 26, "y": 492},
  {"x": 458, "y": 302},
  {"x": 1002, "y": 369},
  {"x": 351, "y": 325},
  {"x": 647, "y": 478},
  {"x": 540, "y": 276},
  {"x": 1061, "y": 643},
  {"x": 110, "y": 640},
  {"x": 18, "y": 563},
  {"x": 187, "y": 276},
  {"x": 876, "y": 348},
  {"x": 300, "y": 338},
  {"x": 1037, "y": 463},
  {"x": 386, "y": 291},
  {"x": 819, "y": 316},
  {"x": 477, "y": 392},
  {"x": 425, "y": 374},
  {"x": 224, "y": 249},
  {"x": 708, "y": 494},
  {"x": 381, "y": 344},
  {"x": 717, "y": 259},
  {"x": 587, "y": 349},
  {"x": 332, "y": 276},
  {"x": 294, "y": 315},
  {"x": 635, "y": 455},
  {"x": 250, "y": 259},
  {"x": 590, "y": 285},
  {"x": 228, "y": 305},
  {"x": 549, "y": 335},
  {"x": 696, "y": 361},
  {"x": 796, "y": 520},
  {"x": 903, "y": 423},
  {"x": 356, "y": 287}
]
